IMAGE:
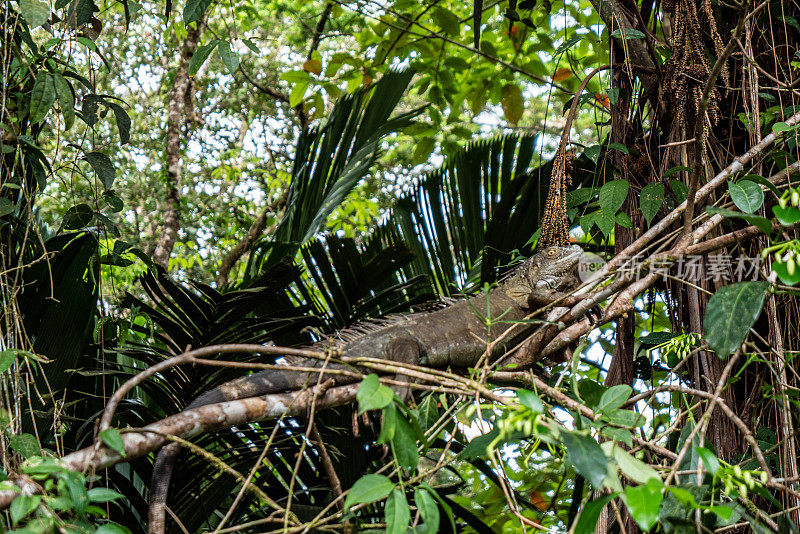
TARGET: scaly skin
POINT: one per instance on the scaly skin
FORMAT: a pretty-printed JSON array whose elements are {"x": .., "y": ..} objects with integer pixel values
[{"x": 454, "y": 336}]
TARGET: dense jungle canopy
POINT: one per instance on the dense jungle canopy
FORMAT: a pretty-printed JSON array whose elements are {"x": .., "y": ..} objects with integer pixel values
[{"x": 201, "y": 191}]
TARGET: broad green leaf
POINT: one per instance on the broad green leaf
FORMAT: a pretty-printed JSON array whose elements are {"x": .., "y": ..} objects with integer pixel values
[
  {"x": 605, "y": 220},
  {"x": 612, "y": 195},
  {"x": 6, "y": 206},
  {"x": 748, "y": 196},
  {"x": 580, "y": 196},
  {"x": 369, "y": 488},
  {"x": 710, "y": 461},
  {"x": 626, "y": 418},
  {"x": 779, "y": 127},
  {"x": 614, "y": 397},
  {"x": 113, "y": 440},
  {"x": 512, "y": 103},
  {"x": 405, "y": 443},
  {"x": 680, "y": 189},
  {"x": 730, "y": 314},
  {"x": 628, "y": 33},
  {"x": 587, "y": 521},
  {"x": 428, "y": 412},
  {"x": 781, "y": 268},
  {"x": 123, "y": 122},
  {"x": 194, "y": 9},
  {"x": 618, "y": 434},
  {"x": 102, "y": 167},
  {"x": 103, "y": 495},
  {"x": 34, "y": 12},
  {"x": 25, "y": 444},
  {"x": 634, "y": 468},
  {"x": 298, "y": 93},
  {"x": 66, "y": 99},
  {"x": 786, "y": 216},
  {"x": 643, "y": 503},
  {"x": 24, "y": 505},
  {"x": 587, "y": 457},
  {"x": 427, "y": 508},
  {"x": 530, "y": 400},
  {"x": 723, "y": 512},
  {"x": 650, "y": 200},
  {"x": 623, "y": 220},
  {"x": 78, "y": 217},
  {"x": 7, "y": 357},
  {"x": 762, "y": 181},
  {"x": 591, "y": 391},
  {"x": 593, "y": 152},
  {"x": 111, "y": 528},
  {"x": 762, "y": 223},
  {"x": 229, "y": 56},
  {"x": 76, "y": 484},
  {"x": 620, "y": 147},
  {"x": 372, "y": 395},
  {"x": 398, "y": 513},
  {"x": 43, "y": 96},
  {"x": 251, "y": 45},
  {"x": 200, "y": 55},
  {"x": 675, "y": 170},
  {"x": 388, "y": 424}
]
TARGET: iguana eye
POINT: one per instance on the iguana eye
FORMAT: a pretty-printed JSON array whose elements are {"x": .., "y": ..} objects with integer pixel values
[{"x": 552, "y": 251}]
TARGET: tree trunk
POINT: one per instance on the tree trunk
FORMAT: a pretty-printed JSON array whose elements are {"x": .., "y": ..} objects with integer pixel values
[{"x": 175, "y": 111}]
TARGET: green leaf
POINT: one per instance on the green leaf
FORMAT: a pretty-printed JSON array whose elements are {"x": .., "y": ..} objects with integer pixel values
[
  {"x": 369, "y": 488},
  {"x": 102, "y": 167},
  {"x": 748, "y": 196},
  {"x": 579, "y": 196},
  {"x": 643, "y": 503},
  {"x": 228, "y": 56},
  {"x": 675, "y": 170},
  {"x": 111, "y": 528},
  {"x": 34, "y": 12},
  {"x": 512, "y": 103},
  {"x": 710, "y": 461},
  {"x": 779, "y": 127},
  {"x": 200, "y": 55},
  {"x": 591, "y": 391},
  {"x": 298, "y": 93},
  {"x": 620, "y": 147},
  {"x": 605, "y": 221},
  {"x": 25, "y": 444},
  {"x": 398, "y": 513},
  {"x": 530, "y": 400},
  {"x": 626, "y": 418},
  {"x": 7, "y": 358},
  {"x": 618, "y": 434},
  {"x": 113, "y": 440},
  {"x": 650, "y": 200},
  {"x": 103, "y": 495},
  {"x": 612, "y": 195},
  {"x": 762, "y": 223},
  {"x": 634, "y": 468},
  {"x": 24, "y": 505},
  {"x": 66, "y": 99},
  {"x": 786, "y": 216},
  {"x": 593, "y": 153},
  {"x": 194, "y": 9},
  {"x": 680, "y": 189},
  {"x": 426, "y": 503},
  {"x": 762, "y": 181},
  {"x": 628, "y": 33},
  {"x": 587, "y": 521},
  {"x": 730, "y": 314},
  {"x": 782, "y": 270},
  {"x": 405, "y": 443},
  {"x": 43, "y": 96},
  {"x": 372, "y": 395},
  {"x": 587, "y": 457},
  {"x": 123, "y": 122},
  {"x": 388, "y": 424},
  {"x": 78, "y": 217},
  {"x": 251, "y": 45},
  {"x": 614, "y": 397}
]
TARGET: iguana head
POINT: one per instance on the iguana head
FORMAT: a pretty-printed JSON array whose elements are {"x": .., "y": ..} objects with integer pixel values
[{"x": 551, "y": 270}]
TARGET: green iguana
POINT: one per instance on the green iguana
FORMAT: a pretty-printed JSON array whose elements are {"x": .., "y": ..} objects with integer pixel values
[{"x": 453, "y": 336}]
